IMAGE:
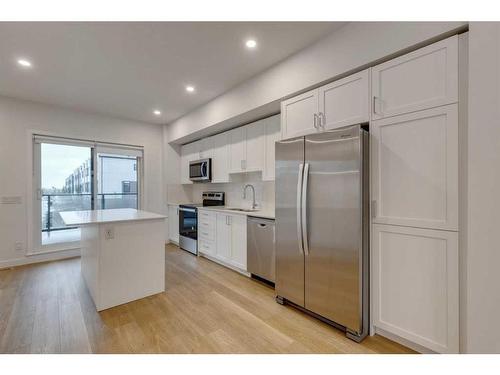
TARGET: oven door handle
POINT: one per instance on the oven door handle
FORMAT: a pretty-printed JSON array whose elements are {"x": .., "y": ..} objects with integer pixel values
[{"x": 187, "y": 209}]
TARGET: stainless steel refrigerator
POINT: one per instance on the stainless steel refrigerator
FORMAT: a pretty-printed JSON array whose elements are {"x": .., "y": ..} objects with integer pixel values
[{"x": 322, "y": 226}]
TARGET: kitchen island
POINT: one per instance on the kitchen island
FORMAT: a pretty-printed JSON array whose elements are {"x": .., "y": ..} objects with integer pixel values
[{"x": 122, "y": 254}]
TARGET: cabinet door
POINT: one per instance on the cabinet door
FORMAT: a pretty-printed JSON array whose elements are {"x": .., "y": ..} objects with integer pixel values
[
  {"x": 238, "y": 224},
  {"x": 345, "y": 102},
  {"x": 220, "y": 157},
  {"x": 418, "y": 80},
  {"x": 173, "y": 223},
  {"x": 238, "y": 149},
  {"x": 196, "y": 150},
  {"x": 206, "y": 148},
  {"x": 223, "y": 237},
  {"x": 414, "y": 169},
  {"x": 186, "y": 157},
  {"x": 255, "y": 146},
  {"x": 415, "y": 285},
  {"x": 273, "y": 134},
  {"x": 299, "y": 115}
]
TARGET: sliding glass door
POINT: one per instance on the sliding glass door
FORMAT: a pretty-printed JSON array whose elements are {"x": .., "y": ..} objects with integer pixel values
[
  {"x": 72, "y": 175},
  {"x": 118, "y": 172}
]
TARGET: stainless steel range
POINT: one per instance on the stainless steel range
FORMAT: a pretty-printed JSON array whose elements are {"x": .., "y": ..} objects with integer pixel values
[{"x": 188, "y": 219}]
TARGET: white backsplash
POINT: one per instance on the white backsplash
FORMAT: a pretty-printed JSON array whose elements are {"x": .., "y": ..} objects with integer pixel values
[{"x": 264, "y": 191}]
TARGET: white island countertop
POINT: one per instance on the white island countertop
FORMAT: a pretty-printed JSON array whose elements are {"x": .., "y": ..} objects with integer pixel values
[{"x": 107, "y": 216}]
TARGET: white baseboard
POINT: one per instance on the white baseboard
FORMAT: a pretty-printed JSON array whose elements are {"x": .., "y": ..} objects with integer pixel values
[
  {"x": 37, "y": 258},
  {"x": 402, "y": 341},
  {"x": 225, "y": 264}
]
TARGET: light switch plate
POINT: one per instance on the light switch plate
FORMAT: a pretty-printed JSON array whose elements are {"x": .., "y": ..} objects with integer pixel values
[{"x": 11, "y": 200}]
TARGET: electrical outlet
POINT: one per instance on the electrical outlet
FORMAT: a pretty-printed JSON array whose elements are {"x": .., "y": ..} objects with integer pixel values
[
  {"x": 19, "y": 246},
  {"x": 109, "y": 233}
]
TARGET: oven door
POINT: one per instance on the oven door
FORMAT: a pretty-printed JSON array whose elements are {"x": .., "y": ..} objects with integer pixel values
[
  {"x": 188, "y": 222},
  {"x": 200, "y": 170}
]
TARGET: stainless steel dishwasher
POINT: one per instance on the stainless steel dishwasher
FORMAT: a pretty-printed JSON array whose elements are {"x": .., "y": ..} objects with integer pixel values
[{"x": 260, "y": 248}]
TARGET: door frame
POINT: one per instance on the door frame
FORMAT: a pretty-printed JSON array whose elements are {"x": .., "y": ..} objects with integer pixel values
[{"x": 33, "y": 240}]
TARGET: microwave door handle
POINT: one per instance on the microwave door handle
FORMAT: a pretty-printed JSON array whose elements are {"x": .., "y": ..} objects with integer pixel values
[{"x": 203, "y": 169}]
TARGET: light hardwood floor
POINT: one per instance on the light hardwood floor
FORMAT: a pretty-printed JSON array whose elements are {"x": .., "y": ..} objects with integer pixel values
[{"x": 206, "y": 308}]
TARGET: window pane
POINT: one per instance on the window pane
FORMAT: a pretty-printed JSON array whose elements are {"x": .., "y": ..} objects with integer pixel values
[
  {"x": 117, "y": 182},
  {"x": 65, "y": 184}
]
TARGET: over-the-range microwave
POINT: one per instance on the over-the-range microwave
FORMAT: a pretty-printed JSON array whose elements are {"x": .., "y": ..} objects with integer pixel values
[{"x": 200, "y": 170}]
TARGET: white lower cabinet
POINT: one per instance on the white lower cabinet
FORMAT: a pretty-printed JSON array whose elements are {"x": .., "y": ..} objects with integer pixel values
[
  {"x": 223, "y": 237},
  {"x": 207, "y": 232},
  {"x": 173, "y": 223},
  {"x": 238, "y": 224},
  {"x": 415, "y": 285}
]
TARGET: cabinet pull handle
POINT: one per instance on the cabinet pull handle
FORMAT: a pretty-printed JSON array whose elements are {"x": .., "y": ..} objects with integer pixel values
[
  {"x": 315, "y": 119},
  {"x": 375, "y": 101},
  {"x": 322, "y": 120}
]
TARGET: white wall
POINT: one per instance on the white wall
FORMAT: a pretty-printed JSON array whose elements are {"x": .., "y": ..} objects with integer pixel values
[
  {"x": 18, "y": 117},
  {"x": 351, "y": 47},
  {"x": 483, "y": 255}
]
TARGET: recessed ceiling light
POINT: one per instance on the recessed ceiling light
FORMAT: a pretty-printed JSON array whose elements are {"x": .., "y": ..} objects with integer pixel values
[
  {"x": 157, "y": 112},
  {"x": 190, "y": 88},
  {"x": 24, "y": 63},
  {"x": 251, "y": 43}
]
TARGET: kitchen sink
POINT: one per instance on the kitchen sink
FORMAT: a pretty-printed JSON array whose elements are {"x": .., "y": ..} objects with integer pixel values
[{"x": 241, "y": 209}]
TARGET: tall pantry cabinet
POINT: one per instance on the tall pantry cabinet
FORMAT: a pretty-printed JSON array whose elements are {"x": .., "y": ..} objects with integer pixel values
[{"x": 415, "y": 197}]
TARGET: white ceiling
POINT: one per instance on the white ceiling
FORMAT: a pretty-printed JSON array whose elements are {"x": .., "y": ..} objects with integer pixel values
[{"x": 129, "y": 69}]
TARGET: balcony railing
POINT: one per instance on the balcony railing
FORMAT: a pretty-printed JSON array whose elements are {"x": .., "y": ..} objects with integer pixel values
[{"x": 53, "y": 204}]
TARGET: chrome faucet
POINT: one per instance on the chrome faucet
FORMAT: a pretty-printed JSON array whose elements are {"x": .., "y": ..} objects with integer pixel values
[{"x": 254, "y": 205}]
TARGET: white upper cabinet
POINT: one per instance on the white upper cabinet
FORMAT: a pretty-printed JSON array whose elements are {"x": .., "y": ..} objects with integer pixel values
[
  {"x": 345, "y": 102},
  {"x": 238, "y": 149},
  {"x": 273, "y": 134},
  {"x": 206, "y": 148},
  {"x": 415, "y": 278},
  {"x": 340, "y": 103},
  {"x": 220, "y": 157},
  {"x": 256, "y": 145},
  {"x": 299, "y": 115},
  {"x": 415, "y": 169},
  {"x": 188, "y": 153},
  {"x": 247, "y": 149},
  {"x": 243, "y": 149},
  {"x": 418, "y": 80}
]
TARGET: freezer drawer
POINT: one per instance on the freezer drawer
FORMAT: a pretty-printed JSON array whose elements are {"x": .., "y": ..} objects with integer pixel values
[{"x": 260, "y": 248}]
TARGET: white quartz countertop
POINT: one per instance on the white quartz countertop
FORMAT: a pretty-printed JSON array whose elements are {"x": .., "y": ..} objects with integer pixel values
[
  {"x": 107, "y": 216},
  {"x": 265, "y": 214}
]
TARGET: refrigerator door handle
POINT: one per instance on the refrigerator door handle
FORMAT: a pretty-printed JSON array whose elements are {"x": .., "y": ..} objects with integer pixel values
[
  {"x": 299, "y": 204},
  {"x": 304, "y": 209}
]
